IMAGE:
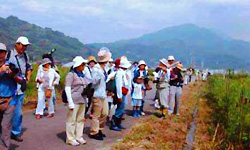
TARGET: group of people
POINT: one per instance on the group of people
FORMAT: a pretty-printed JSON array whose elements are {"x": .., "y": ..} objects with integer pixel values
[{"x": 95, "y": 87}]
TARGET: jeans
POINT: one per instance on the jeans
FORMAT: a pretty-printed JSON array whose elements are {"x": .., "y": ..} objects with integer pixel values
[
  {"x": 18, "y": 115},
  {"x": 120, "y": 108}
]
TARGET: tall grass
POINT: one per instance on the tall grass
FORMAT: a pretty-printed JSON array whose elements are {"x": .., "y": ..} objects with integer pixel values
[{"x": 229, "y": 96}]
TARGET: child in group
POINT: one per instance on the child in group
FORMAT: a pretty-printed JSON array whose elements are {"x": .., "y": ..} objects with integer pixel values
[{"x": 137, "y": 95}]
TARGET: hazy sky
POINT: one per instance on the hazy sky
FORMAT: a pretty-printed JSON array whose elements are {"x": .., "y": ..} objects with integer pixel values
[{"x": 111, "y": 20}]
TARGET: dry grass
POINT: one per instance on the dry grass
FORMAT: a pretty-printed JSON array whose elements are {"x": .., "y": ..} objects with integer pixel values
[{"x": 170, "y": 133}]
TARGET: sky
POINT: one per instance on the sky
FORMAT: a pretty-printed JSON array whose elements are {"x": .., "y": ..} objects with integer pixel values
[{"x": 95, "y": 21}]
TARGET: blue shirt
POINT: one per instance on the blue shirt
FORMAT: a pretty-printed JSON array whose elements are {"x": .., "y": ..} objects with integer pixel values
[{"x": 7, "y": 85}]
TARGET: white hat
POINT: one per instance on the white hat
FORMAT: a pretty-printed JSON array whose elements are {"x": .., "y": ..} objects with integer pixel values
[
  {"x": 104, "y": 55},
  {"x": 23, "y": 40},
  {"x": 124, "y": 63},
  {"x": 111, "y": 60},
  {"x": 46, "y": 61},
  {"x": 171, "y": 57},
  {"x": 3, "y": 47},
  {"x": 142, "y": 62},
  {"x": 164, "y": 61},
  {"x": 78, "y": 60}
]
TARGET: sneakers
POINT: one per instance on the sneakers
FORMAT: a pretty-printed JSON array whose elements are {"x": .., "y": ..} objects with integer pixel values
[
  {"x": 142, "y": 113},
  {"x": 81, "y": 141},
  {"x": 96, "y": 136},
  {"x": 16, "y": 138},
  {"x": 115, "y": 128},
  {"x": 73, "y": 143},
  {"x": 50, "y": 116}
]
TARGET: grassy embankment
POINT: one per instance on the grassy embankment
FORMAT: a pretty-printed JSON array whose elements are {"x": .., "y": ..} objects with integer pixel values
[
  {"x": 228, "y": 97},
  {"x": 156, "y": 133}
]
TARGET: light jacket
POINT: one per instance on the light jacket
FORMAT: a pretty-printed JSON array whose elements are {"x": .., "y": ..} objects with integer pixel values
[
  {"x": 54, "y": 78},
  {"x": 99, "y": 82}
]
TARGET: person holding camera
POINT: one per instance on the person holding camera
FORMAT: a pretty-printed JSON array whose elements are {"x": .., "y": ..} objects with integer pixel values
[
  {"x": 8, "y": 80},
  {"x": 75, "y": 84},
  {"x": 19, "y": 58},
  {"x": 47, "y": 78}
]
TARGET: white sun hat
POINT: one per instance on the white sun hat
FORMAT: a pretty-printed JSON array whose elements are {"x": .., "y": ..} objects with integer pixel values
[
  {"x": 124, "y": 63},
  {"x": 78, "y": 60},
  {"x": 164, "y": 61},
  {"x": 23, "y": 40},
  {"x": 171, "y": 57},
  {"x": 46, "y": 61},
  {"x": 104, "y": 55},
  {"x": 3, "y": 47},
  {"x": 142, "y": 62}
]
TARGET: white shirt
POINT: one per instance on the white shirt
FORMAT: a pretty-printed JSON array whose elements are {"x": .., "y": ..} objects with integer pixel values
[
  {"x": 137, "y": 91},
  {"x": 121, "y": 81}
]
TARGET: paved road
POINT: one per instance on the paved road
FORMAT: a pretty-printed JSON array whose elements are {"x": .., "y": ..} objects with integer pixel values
[{"x": 49, "y": 133}]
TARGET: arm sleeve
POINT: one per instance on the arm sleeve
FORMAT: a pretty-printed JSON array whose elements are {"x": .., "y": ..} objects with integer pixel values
[
  {"x": 68, "y": 82},
  {"x": 118, "y": 81},
  {"x": 96, "y": 77},
  {"x": 57, "y": 78}
]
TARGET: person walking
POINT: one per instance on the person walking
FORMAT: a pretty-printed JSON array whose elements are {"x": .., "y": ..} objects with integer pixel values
[
  {"x": 19, "y": 58},
  {"x": 99, "y": 101},
  {"x": 8, "y": 84},
  {"x": 74, "y": 87},
  {"x": 47, "y": 78}
]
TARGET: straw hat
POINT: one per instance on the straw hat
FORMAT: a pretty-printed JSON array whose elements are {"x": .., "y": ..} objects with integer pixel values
[
  {"x": 92, "y": 58},
  {"x": 104, "y": 55},
  {"x": 78, "y": 60},
  {"x": 179, "y": 66}
]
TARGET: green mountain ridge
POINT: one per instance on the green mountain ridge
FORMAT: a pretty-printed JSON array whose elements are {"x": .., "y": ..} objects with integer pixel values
[
  {"x": 42, "y": 39},
  {"x": 187, "y": 43}
]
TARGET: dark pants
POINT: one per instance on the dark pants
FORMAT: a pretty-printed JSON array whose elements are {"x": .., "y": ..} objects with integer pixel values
[{"x": 6, "y": 122}]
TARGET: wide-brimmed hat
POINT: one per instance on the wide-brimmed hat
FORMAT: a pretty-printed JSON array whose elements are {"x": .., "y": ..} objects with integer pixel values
[
  {"x": 111, "y": 60},
  {"x": 164, "y": 61},
  {"x": 92, "y": 58},
  {"x": 3, "y": 47},
  {"x": 124, "y": 63},
  {"x": 46, "y": 61},
  {"x": 23, "y": 40},
  {"x": 104, "y": 55},
  {"x": 142, "y": 62},
  {"x": 78, "y": 60},
  {"x": 171, "y": 57}
]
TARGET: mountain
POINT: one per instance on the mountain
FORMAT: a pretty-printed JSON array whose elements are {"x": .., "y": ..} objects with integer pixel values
[
  {"x": 42, "y": 39},
  {"x": 188, "y": 43}
]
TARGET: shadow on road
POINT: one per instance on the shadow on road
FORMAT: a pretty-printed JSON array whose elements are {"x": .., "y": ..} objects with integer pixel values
[{"x": 62, "y": 136}]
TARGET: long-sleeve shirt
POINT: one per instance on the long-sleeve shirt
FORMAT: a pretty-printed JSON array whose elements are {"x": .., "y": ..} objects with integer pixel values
[
  {"x": 54, "y": 78},
  {"x": 121, "y": 81},
  {"x": 99, "y": 82}
]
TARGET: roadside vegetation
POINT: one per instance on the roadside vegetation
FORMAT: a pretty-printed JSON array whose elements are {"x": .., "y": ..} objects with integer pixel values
[{"x": 228, "y": 97}]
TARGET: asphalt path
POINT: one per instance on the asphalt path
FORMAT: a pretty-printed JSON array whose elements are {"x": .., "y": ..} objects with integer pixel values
[{"x": 49, "y": 133}]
